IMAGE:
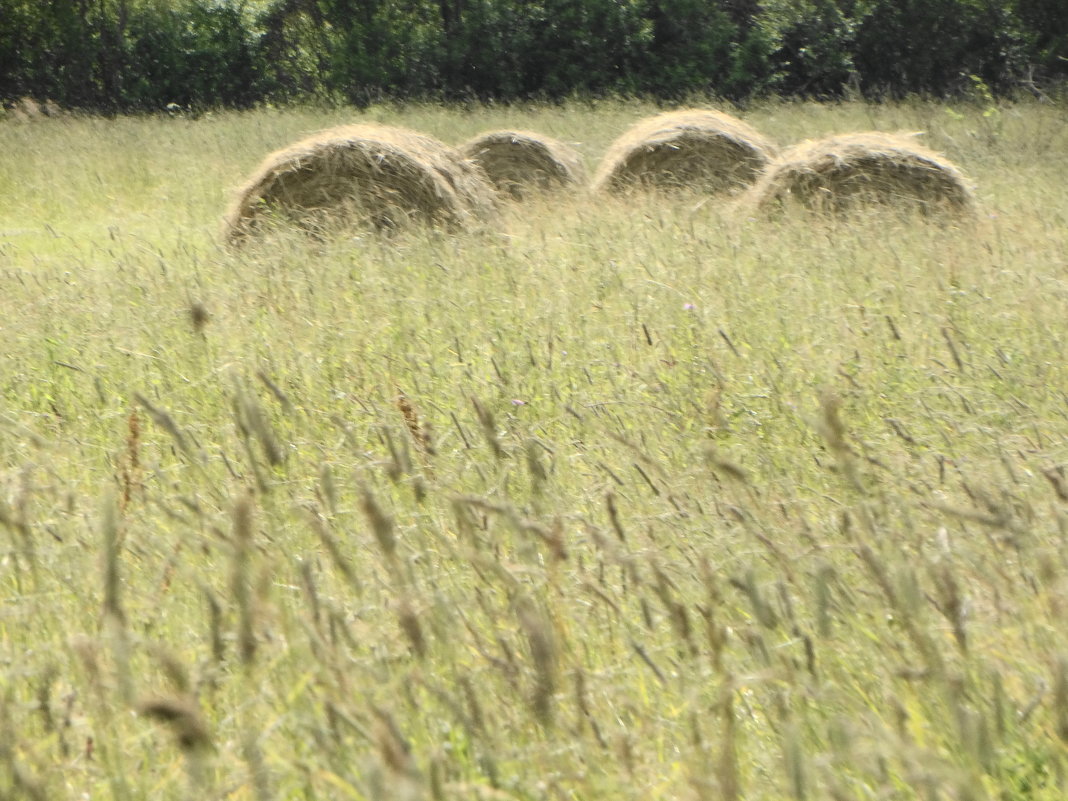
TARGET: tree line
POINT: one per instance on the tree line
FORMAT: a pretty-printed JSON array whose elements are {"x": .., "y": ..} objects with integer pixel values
[{"x": 128, "y": 55}]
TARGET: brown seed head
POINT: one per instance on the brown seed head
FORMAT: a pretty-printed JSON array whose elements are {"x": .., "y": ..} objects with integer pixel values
[{"x": 182, "y": 715}]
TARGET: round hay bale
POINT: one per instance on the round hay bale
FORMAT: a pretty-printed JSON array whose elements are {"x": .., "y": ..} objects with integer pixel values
[
  {"x": 363, "y": 176},
  {"x": 30, "y": 107},
  {"x": 25, "y": 109},
  {"x": 695, "y": 148},
  {"x": 50, "y": 108},
  {"x": 519, "y": 161},
  {"x": 841, "y": 173}
]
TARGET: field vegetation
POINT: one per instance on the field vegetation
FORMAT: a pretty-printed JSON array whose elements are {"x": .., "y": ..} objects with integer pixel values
[{"x": 632, "y": 497}]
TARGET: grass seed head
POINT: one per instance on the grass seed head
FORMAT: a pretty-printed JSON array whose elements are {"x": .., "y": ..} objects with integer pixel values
[
  {"x": 412, "y": 628},
  {"x": 381, "y": 524},
  {"x": 199, "y": 316},
  {"x": 182, "y": 715},
  {"x": 241, "y": 579},
  {"x": 539, "y": 634}
]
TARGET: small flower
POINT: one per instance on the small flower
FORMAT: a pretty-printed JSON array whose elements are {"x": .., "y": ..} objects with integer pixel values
[
  {"x": 517, "y": 402},
  {"x": 688, "y": 306}
]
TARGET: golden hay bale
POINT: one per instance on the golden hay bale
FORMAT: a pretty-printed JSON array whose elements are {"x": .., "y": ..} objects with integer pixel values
[
  {"x": 518, "y": 161},
  {"x": 367, "y": 176},
  {"x": 843, "y": 172},
  {"x": 30, "y": 107},
  {"x": 50, "y": 108},
  {"x": 697, "y": 148},
  {"x": 25, "y": 109}
]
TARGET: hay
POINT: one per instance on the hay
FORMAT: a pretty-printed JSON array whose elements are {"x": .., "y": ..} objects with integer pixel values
[
  {"x": 696, "y": 148},
  {"x": 517, "y": 162},
  {"x": 361, "y": 176},
  {"x": 50, "y": 108},
  {"x": 841, "y": 173},
  {"x": 26, "y": 109}
]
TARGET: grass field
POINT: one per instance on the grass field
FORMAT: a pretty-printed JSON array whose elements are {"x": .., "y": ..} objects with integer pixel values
[{"x": 612, "y": 499}]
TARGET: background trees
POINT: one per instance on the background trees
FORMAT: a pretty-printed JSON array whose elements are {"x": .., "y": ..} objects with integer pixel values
[{"x": 144, "y": 54}]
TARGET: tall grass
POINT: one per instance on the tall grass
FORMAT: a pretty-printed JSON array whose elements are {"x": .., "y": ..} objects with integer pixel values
[{"x": 628, "y": 498}]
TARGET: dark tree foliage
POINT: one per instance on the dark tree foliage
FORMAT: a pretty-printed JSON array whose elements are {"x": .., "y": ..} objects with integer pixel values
[
  {"x": 1045, "y": 23},
  {"x": 813, "y": 43},
  {"x": 195, "y": 57},
  {"x": 691, "y": 47},
  {"x": 120, "y": 55},
  {"x": 580, "y": 47},
  {"x": 933, "y": 46}
]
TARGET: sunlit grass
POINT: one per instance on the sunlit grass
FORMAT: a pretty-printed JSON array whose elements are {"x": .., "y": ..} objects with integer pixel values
[{"x": 629, "y": 498}]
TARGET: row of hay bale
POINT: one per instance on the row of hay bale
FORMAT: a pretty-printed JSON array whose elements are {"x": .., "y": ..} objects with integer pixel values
[
  {"x": 720, "y": 154},
  {"x": 26, "y": 109},
  {"x": 383, "y": 178}
]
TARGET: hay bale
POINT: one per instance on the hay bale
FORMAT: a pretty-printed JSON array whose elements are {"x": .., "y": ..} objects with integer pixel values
[
  {"x": 29, "y": 107},
  {"x": 363, "y": 176},
  {"x": 845, "y": 172},
  {"x": 50, "y": 108},
  {"x": 697, "y": 148},
  {"x": 25, "y": 109},
  {"x": 517, "y": 162}
]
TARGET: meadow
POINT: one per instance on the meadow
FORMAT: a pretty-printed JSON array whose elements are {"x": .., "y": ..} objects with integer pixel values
[{"x": 610, "y": 498}]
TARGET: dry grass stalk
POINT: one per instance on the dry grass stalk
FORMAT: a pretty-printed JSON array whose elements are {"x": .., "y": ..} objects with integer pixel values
[
  {"x": 364, "y": 176},
  {"x": 240, "y": 580},
  {"x": 1060, "y": 698},
  {"x": 412, "y": 628},
  {"x": 130, "y": 466},
  {"x": 728, "y": 769},
  {"x": 333, "y": 548},
  {"x": 539, "y": 475},
  {"x": 215, "y": 624},
  {"x": 381, "y": 524},
  {"x": 697, "y": 148},
  {"x": 543, "y": 653},
  {"x": 613, "y": 515},
  {"x": 251, "y": 419},
  {"x": 172, "y": 667},
  {"x": 489, "y": 428},
  {"x": 394, "y": 749},
  {"x": 518, "y": 161},
  {"x": 112, "y": 577},
  {"x": 161, "y": 418},
  {"x": 840, "y": 173},
  {"x": 328, "y": 487},
  {"x": 276, "y": 391}
]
